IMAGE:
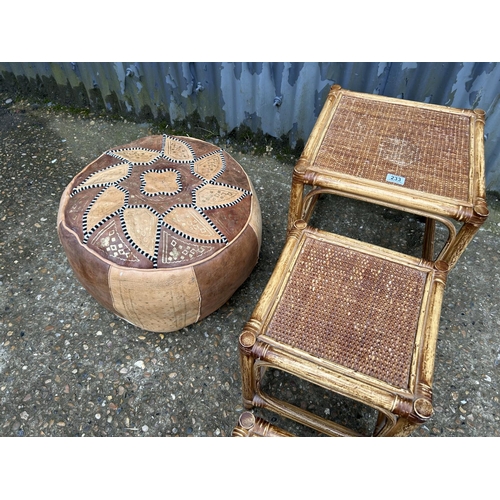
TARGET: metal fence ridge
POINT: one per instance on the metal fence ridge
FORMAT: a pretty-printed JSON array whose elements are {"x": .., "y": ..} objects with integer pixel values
[{"x": 280, "y": 99}]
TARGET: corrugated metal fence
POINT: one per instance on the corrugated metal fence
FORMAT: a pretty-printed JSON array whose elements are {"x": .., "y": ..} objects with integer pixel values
[{"x": 280, "y": 99}]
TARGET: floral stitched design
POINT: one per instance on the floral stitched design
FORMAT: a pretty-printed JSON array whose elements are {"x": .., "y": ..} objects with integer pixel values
[{"x": 155, "y": 198}]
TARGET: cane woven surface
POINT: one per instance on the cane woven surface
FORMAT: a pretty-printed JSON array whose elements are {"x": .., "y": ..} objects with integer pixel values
[
  {"x": 372, "y": 140},
  {"x": 163, "y": 201},
  {"x": 352, "y": 309}
]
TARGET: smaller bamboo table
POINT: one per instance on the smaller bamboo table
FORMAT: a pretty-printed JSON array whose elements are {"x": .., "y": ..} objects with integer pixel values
[
  {"x": 356, "y": 319},
  {"x": 420, "y": 158}
]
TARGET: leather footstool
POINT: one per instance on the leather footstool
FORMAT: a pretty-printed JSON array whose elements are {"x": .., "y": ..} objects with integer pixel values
[{"x": 161, "y": 231}]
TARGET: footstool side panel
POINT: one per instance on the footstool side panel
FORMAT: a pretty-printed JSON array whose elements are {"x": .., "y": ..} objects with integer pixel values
[
  {"x": 90, "y": 270},
  {"x": 164, "y": 300},
  {"x": 226, "y": 272}
]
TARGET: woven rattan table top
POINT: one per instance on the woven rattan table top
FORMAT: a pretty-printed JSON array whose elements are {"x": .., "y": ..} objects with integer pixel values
[
  {"x": 419, "y": 147},
  {"x": 354, "y": 309}
]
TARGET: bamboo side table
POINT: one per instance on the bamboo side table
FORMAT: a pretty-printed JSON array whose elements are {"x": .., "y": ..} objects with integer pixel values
[
  {"x": 356, "y": 319},
  {"x": 420, "y": 158}
]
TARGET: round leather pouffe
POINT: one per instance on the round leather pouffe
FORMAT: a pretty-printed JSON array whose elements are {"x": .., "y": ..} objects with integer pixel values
[{"x": 161, "y": 231}]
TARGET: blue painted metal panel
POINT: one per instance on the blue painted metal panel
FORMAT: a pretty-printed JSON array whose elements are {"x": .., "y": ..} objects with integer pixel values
[{"x": 278, "y": 98}]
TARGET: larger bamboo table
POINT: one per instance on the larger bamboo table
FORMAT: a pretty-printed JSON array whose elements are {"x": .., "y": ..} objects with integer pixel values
[{"x": 416, "y": 157}]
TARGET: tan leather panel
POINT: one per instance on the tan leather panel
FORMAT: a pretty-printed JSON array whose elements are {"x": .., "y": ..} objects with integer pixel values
[
  {"x": 256, "y": 216},
  {"x": 190, "y": 222},
  {"x": 212, "y": 196},
  {"x": 141, "y": 226},
  {"x": 161, "y": 182},
  {"x": 158, "y": 301},
  {"x": 110, "y": 174},
  {"x": 136, "y": 155},
  {"x": 111, "y": 200},
  {"x": 177, "y": 150},
  {"x": 209, "y": 166}
]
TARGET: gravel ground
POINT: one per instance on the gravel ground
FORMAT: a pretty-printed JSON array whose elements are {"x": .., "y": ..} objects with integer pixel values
[{"x": 68, "y": 367}]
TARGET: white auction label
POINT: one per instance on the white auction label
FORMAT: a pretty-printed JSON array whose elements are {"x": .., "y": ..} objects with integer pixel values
[{"x": 396, "y": 179}]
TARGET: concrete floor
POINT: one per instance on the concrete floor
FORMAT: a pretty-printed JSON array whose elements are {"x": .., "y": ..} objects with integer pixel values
[{"x": 68, "y": 367}]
